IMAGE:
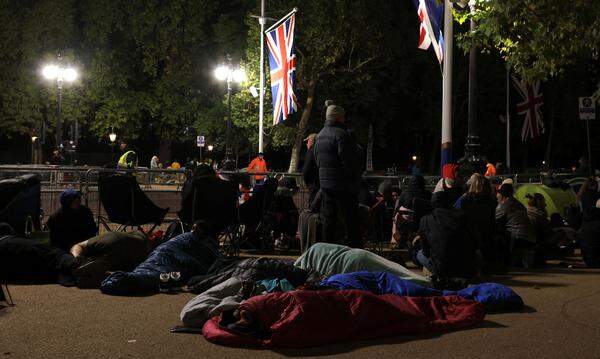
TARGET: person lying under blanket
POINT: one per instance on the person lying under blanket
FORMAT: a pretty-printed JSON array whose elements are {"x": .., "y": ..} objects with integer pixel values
[
  {"x": 328, "y": 259},
  {"x": 191, "y": 253},
  {"x": 28, "y": 260},
  {"x": 305, "y": 318}
]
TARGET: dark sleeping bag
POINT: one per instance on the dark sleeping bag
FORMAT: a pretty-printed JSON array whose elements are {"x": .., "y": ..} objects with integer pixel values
[
  {"x": 305, "y": 318},
  {"x": 248, "y": 270},
  {"x": 494, "y": 296},
  {"x": 187, "y": 253}
]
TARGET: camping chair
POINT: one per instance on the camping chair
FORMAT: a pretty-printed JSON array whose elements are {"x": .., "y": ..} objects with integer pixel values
[
  {"x": 214, "y": 201},
  {"x": 20, "y": 203},
  {"x": 126, "y": 204},
  {"x": 252, "y": 213}
]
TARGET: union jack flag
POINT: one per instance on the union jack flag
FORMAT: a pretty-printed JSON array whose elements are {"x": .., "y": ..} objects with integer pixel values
[
  {"x": 430, "y": 31},
  {"x": 282, "y": 62},
  {"x": 531, "y": 107}
]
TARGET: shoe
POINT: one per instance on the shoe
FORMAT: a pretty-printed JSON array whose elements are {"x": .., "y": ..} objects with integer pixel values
[{"x": 91, "y": 274}]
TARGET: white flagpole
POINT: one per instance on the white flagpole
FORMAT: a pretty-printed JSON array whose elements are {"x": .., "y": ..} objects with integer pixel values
[
  {"x": 508, "y": 118},
  {"x": 261, "y": 106},
  {"x": 446, "y": 148}
]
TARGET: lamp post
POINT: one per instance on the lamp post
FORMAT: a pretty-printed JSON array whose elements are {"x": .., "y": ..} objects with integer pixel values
[
  {"x": 229, "y": 74},
  {"x": 33, "y": 154},
  {"x": 472, "y": 161},
  {"x": 112, "y": 136},
  {"x": 60, "y": 74}
]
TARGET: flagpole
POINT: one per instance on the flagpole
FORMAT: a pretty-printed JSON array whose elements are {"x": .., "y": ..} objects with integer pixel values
[
  {"x": 446, "y": 147},
  {"x": 508, "y": 118},
  {"x": 261, "y": 105}
]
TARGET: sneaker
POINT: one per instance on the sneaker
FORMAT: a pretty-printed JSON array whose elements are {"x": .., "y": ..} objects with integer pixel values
[{"x": 91, "y": 274}]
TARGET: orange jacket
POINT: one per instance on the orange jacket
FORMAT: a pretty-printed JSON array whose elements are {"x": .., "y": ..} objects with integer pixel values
[
  {"x": 491, "y": 170},
  {"x": 258, "y": 165}
]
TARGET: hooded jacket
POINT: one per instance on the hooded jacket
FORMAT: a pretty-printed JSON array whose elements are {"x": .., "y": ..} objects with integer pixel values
[
  {"x": 447, "y": 242},
  {"x": 414, "y": 189},
  {"x": 336, "y": 157}
]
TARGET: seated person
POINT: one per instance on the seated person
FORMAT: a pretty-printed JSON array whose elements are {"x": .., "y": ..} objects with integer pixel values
[
  {"x": 446, "y": 249},
  {"x": 590, "y": 236},
  {"x": 479, "y": 207},
  {"x": 512, "y": 222},
  {"x": 191, "y": 253},
  {"x": 404, "y": 222},
  {"x": 72, "y": 222},
  {"x": 328, "y": 259},
  {"x": 544, "y": 236},
  {"x": 28, "y": 260}
]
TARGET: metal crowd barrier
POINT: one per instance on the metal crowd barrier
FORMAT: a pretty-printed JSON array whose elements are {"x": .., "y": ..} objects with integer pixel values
[{"x": 163, "y": 186}]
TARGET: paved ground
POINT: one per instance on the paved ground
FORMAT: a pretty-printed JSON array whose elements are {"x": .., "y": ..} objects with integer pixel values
[{"x": 49, "y": 321}]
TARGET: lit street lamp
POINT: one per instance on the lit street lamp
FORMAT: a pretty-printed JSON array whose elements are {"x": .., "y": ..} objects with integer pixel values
[
  {"x": 229, "y": 74},
  {"x": 60, "y": 74},
  {"x": 112, "y": 136}
]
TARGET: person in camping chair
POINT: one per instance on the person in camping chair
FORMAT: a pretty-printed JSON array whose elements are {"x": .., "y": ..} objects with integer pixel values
[{"x": 72, "y": 222}]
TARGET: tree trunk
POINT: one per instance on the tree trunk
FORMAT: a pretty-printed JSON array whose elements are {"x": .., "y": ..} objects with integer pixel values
[{"x": 306, "y": 112}]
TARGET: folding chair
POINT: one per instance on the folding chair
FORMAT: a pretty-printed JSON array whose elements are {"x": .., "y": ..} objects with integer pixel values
[
  {"x": 126, "y": 204},
  {"x": 214, "y": 201},
  {"x": 20, "y": 203},
  {"x": 5, "y": 297}
]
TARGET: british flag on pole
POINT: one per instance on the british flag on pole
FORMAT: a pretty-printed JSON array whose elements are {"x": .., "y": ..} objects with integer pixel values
[
  {"x": 282, "y": 63},
  {"x": 430, "y": 31},
  {"x": 531, "y": 107}
]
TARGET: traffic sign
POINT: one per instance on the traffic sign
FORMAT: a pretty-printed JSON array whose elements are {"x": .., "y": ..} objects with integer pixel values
[
  {"x": 200, "y": 141},
  {"x": 587, "y": 108}
]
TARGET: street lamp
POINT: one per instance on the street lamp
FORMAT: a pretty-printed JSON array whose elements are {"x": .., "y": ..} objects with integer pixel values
[
  {"x": 112, "y": 136},
  {"x": 33, "y": 156},
  {"x": 229, "y": 74},
  {"x": 60, "y": 74},
  {"x": 414, "y": 158},
  {"x": 210, "y": 148}
]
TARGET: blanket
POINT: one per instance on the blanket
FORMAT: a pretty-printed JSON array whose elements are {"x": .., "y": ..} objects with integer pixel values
[
  {"x": 305, "y": 318},
  {"x": 494, "y": 296},
  {"x": 249, "y": 270},
  {"x": 329, "y": 259}
]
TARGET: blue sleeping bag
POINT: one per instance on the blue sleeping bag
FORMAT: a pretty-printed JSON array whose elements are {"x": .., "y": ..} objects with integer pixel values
[
  {"x": 187, "y": 253},
  {"x": 495, "y": 297}
]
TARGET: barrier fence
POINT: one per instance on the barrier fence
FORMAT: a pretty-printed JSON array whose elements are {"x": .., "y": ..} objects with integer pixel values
[{"x": 163, "y": 186}]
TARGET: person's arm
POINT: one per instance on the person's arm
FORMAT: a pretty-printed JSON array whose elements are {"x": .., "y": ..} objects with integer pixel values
[
  {"x": 251, "y": 166},
  {"x": 347, "y": 153},
  {"x": 79, "y": 248}
]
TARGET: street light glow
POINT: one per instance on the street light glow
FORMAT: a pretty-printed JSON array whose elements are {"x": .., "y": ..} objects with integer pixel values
[
  {"x": 69, "y": 74},
  {"x": 222, "y": 73},
  {"x": 210, "y": 147},
  {"x": 52, "y": 72},
  {"x": 33, "y": 138},
  {"x": 112, "y": 137},
  {"x": 414, "y": 158},
  {"x": 239, "y": 75}
]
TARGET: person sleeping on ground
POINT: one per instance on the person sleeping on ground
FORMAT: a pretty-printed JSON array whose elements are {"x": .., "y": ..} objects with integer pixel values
[
  {"x": 328, "y": 259},
  {"x": 72, "y": 222},
  {"x": 191, "y": 253},
  {"x": 28, "y": 260}
]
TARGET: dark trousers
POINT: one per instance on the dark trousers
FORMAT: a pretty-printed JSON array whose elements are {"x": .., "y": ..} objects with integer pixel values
[
  {"x": 27, "y": 260},
  {"x": 340, "y": 205}
]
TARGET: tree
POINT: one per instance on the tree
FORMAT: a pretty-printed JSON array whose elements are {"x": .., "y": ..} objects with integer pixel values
[{"x": 537, "y": 38}]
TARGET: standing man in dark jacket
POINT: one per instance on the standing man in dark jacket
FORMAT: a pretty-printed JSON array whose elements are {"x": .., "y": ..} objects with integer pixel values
[
  {"x": 339, "y": 176},
  {"x": 310, "y": 171}
]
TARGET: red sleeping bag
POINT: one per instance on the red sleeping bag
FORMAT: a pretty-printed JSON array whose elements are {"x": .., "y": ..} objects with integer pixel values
[{"x": 307, "y": 318}]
